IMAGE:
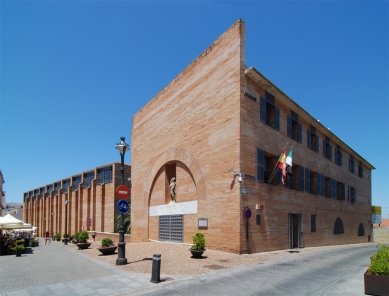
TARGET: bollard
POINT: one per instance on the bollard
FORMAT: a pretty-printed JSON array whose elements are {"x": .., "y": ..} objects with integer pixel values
[{"x": 156, "y": 270}]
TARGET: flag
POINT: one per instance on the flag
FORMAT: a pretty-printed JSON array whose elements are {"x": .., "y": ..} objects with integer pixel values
[
  {"x": 282, "y": 165},
  {"x": 288, "y": 168}
]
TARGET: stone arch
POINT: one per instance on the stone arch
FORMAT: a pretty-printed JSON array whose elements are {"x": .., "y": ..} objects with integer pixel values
[{"x": 187, "y": 158}]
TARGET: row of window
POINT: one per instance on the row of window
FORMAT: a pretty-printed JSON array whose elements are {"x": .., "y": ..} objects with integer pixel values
[
  {"x": 104, "y": 175},
  {"x": 270, "y": 115},
  {"x": 302, "y": 179}
]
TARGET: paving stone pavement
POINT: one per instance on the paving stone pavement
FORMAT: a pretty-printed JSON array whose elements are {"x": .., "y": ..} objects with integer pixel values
[{"x": 57, "y": 270}]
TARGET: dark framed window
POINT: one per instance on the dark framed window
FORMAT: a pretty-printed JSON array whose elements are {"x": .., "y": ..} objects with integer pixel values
[
  {"x": 36, "y": 192},
  {"x": 341, "y": 191},
  {"x": 295, "y": 128},
  {"x": 327, "y": 148},
  {"x": 43, "y": 190},
  {"x": 338, "y": 156},
  {"x": 57, "y": 187},
  {"x": 104, "y": 175},
  {"x": 334, "y": 189},
  {"x": 49, "y": 189},
  {"x": 313, "y": 139},
  {"x": 351, "y": 164},
  {"x": 361, "y": 230},
  {"x": 88, "y": 177},
  {"x": 323, "y": 185},
  {"x": 360, "y": 170},
  {"x": 76, "y": 182},
  {"x": 258, "y": 219},
  {"x": 66, "y": 185},
  {"x": 269, "y": 113},
  {"x": 352, "y": 194},
  {"x": 31, "y": 194},
  {"x": 338, "y": 227},
  {"x": 313, "y": 223}
]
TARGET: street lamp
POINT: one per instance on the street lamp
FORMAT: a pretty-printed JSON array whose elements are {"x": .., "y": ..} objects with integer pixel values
[
  {"x": 66, "y": 222},
  {"x": 52, "y": 225},
  {"x": 122, "y": 260}
]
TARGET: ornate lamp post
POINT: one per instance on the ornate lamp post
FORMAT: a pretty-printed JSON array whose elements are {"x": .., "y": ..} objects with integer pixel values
[
  {"x": 122, "y": 260},
  {"x": 66, "y": 222}
]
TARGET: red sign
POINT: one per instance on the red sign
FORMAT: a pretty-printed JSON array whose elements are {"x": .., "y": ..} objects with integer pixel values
[{"x": 122, "y": 192}]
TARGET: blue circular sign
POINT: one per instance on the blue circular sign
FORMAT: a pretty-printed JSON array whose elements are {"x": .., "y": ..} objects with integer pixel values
[
  {"x": 247, "y": 212},
  {"x": 123, "y": 206}
]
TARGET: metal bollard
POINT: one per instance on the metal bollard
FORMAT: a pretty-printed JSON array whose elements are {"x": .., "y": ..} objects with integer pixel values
[{"x": 156, "y": 271}]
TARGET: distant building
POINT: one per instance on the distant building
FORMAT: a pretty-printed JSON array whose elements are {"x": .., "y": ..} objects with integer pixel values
[
  {"x": 91, "y": 199},
  {"x": 214, "y": 134}
]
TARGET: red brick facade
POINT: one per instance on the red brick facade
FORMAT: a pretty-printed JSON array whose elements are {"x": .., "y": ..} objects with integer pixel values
[
  {"x": 201, "y": 125},
  {"x": 96, "y": 201}
]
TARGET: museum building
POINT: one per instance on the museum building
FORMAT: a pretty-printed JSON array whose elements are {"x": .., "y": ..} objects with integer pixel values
[
  {"x": 85, "y": 201},
  {"x": 204, "y": 151}
]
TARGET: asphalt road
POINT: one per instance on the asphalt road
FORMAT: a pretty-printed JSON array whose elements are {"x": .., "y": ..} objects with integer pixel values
[{"x": 329, "y": 271}]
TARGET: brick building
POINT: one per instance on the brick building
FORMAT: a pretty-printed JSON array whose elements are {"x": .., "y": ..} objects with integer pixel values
[
  {"x": 90, "y": 194},
  {"x": 219, "y": 115}
]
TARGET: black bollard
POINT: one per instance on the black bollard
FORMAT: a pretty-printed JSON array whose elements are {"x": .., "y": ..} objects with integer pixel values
[{"x": 156, "y": 271}]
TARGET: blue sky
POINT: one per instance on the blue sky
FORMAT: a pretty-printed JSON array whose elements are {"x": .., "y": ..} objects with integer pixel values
[{"x": 73, "y": 73}]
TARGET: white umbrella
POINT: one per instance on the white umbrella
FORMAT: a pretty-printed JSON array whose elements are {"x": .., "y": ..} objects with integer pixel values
[{"x": 10, "y": 222}]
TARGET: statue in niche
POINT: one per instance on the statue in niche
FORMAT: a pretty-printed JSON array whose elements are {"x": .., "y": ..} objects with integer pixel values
[{"x": 173, "y": 189}]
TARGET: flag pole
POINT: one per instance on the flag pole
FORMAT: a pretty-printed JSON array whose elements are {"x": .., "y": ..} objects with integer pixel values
[{"x": 275, "y": 167}]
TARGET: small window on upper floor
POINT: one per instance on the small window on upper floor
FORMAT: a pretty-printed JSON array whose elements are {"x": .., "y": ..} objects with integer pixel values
[
  {"x": 351, "y": 164},
  {"x": 352, "y": 194},
  {"x": 327, "y": 148},
  {"x": 338, "y": 156},
  {"x": 269, "y": 113},
  {"x": 360, "y": 170},
  {"x": 313, "y": 139},
  {"x": 105, "y": 175},
  {"x": 295, "y": 128}
]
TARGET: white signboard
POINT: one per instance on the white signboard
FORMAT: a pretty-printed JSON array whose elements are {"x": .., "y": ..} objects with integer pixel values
[{"x": 182, "y": 208}]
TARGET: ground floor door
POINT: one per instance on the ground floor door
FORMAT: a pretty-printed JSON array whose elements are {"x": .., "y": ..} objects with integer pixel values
[
  {"x": 171, "y": 228},
  {"x": 295, "y": 231}
]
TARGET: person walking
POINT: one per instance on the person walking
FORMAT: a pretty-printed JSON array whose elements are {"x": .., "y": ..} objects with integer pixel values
[
  {"x": 47, "y": 237},
  {"x": 94, "y": 235}
]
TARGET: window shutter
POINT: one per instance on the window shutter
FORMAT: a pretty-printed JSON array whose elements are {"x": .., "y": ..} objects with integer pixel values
[
  {"x": 318, "y": 186},
  {"x": 300, "y": 133},
  {"x": 324, "y": 148},
  {"x": 278, "y": 177},
  {"x": 332, "y": 188},
  {"x": 330, "y": 152},
  {"x": 362, "y": 171},
  {"x": 301, "y": 175},
  {"x": 277, "y": 118},
  {"x": 355, "y": 195},
  {"x": 336, "y": 156},
  {"x": 343, "y": 191},
  {"x": 348, "y": 193},
  {"x": 260, "y": 165},
  {"x": 263, "y": 109},
  {"x": 289, "y": 127},
  {"x": 317, "y": 143},
  {"x": 340, "y": 156},
  {"x": 309, "y": 139},
  {"x": 307, "y": 180},
  {"x": 323, "y": 185}
]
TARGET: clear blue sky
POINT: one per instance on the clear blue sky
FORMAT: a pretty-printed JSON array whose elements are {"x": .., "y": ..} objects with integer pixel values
[{"x": 73, "y": 73}]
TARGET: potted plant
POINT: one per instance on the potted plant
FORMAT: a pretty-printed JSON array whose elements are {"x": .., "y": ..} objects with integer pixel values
[
  {"x": 198, "y": 247},
  {"x": 33, "y": 242},
  {"x": 83, "y": 240},
  {"x": 107, "y": 246},
  {"x": 376, "y": 277},
  {"x": 65, "y": 238},
  {"x": 58, "y": 237},
  {"x": 75, "y": 237},
  {"x": 18, "y": 249}
]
